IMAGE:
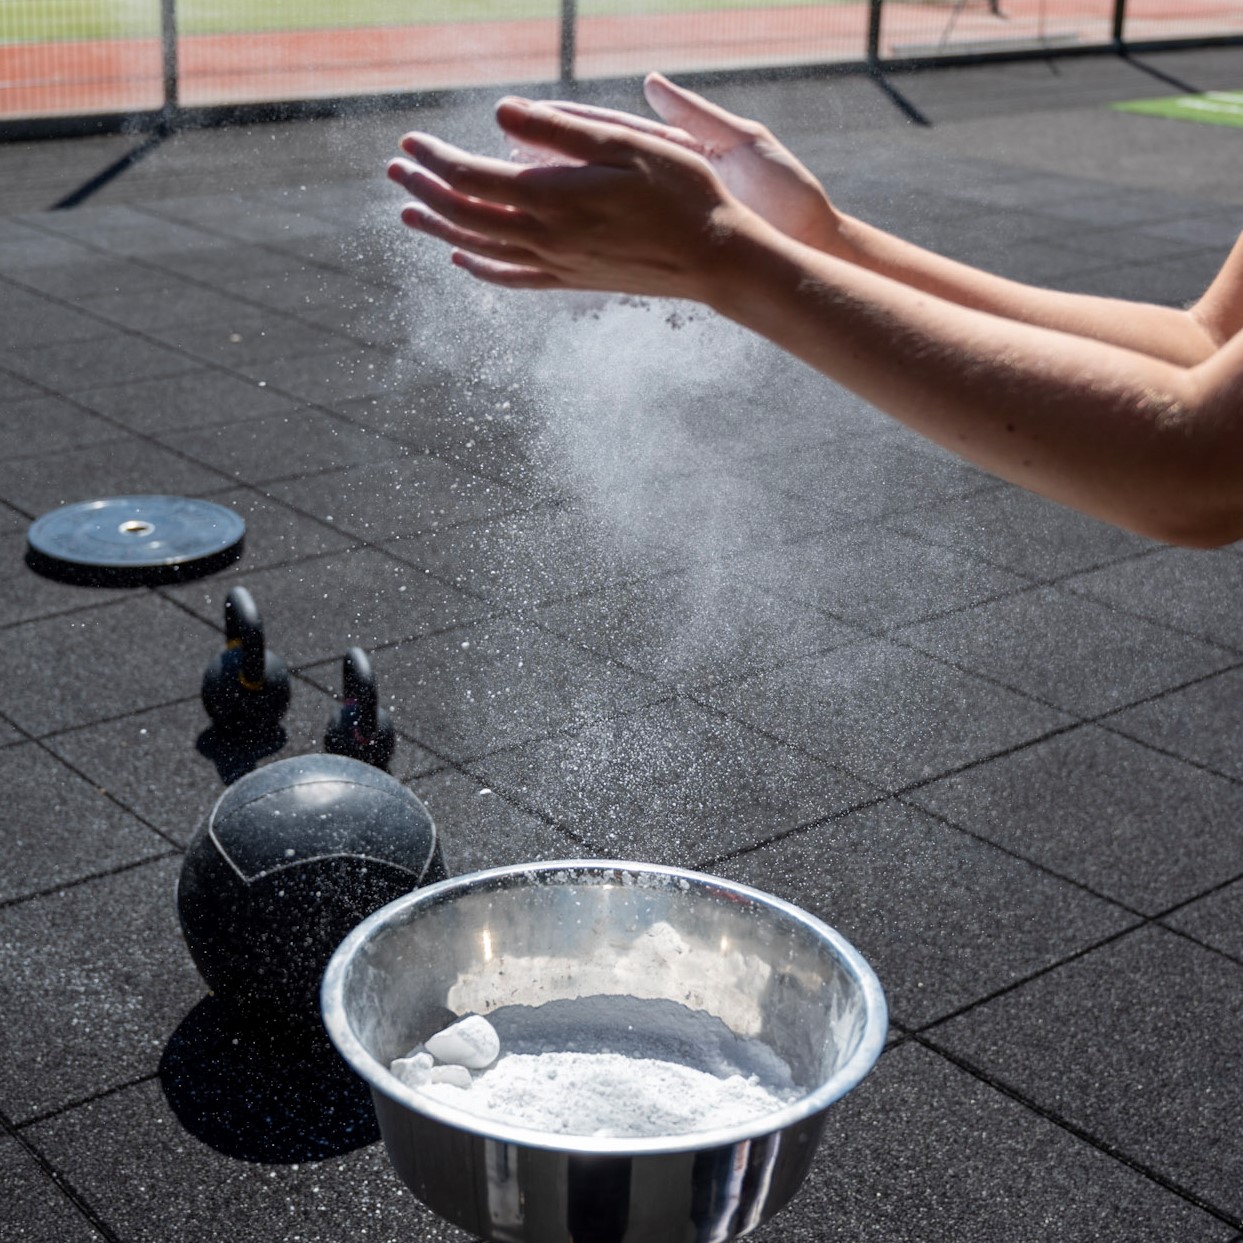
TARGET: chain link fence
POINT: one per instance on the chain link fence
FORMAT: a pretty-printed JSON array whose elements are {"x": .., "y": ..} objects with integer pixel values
[{"x": 119, "y": 58}]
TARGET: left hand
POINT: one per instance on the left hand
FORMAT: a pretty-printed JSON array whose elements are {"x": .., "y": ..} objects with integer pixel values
[{"x": 630, "y": 212}]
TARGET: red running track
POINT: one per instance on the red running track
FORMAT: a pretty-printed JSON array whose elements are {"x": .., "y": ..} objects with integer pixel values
[{"x": 76, "y": 78}]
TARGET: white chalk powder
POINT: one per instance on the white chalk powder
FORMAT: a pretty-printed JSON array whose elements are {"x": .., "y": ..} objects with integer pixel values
[{"x": 607, "y": 1094}]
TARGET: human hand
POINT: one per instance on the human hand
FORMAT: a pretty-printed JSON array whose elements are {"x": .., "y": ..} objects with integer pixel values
[
  {"x": 757, "y": 169},
  {"x": 626, "y": 211}
]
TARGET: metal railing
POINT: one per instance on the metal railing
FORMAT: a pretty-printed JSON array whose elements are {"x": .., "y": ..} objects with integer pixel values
[{"x": 107, "y": 64}]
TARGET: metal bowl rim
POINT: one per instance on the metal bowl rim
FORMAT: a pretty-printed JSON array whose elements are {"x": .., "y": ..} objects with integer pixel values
[{"x": 381, "y": 1079}]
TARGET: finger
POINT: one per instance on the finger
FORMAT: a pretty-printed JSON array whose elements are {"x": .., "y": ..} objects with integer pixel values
[
  {"x": 643, "y": 125},
  {"x": 416, "y": 216},
  {"x": 480, "y": 177},
  {"x": 512, "y": 276},
  {"x": 708, "y": 122},
  {"x": 581, "y": 138},
  {"x": 490, "y": 219}
]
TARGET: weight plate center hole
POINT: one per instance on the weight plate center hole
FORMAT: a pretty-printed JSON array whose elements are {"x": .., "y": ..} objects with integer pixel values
[{"x": 136, "y": 527}]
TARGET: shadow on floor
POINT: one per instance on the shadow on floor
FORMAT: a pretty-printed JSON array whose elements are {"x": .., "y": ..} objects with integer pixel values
[{"x": 259, "y": 1093}]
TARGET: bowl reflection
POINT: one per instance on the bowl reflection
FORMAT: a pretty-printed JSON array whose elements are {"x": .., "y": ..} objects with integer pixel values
[{"x": 616, "y": 943}]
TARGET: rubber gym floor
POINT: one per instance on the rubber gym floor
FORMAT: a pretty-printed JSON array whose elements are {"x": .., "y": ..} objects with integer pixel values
[{"x": 634, "y": 586}]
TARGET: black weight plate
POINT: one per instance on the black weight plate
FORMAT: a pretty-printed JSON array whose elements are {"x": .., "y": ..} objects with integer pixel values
[{"x": 134, "y": 540}]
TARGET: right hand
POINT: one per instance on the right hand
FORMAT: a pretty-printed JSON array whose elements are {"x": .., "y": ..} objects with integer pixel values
[{"x": 757, "y": 169}]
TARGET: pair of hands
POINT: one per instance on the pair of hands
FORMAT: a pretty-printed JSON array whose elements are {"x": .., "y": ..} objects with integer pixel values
[{"x": 612, "y": 201}]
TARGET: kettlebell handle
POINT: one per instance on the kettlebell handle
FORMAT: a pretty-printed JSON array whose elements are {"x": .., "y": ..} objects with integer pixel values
[
  {"x": 358, "y": 687},
  {"x": 243, "y": 628}
]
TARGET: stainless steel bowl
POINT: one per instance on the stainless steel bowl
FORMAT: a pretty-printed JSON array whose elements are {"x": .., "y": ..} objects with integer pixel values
[{"x": 632, "y": 934}]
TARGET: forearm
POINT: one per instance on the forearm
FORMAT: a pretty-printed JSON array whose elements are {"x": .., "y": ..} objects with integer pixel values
[
  {"x": 1175, "y": 335},
  {"x": 1112, "y": 431}
]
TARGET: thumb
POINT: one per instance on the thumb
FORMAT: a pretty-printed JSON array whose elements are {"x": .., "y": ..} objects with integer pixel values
[
  {"x": 546, "y": 128},
  {"x": 707, "y": 121}
]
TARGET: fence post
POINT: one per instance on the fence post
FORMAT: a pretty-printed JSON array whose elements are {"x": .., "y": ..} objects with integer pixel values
[
  {"x": 1119, "y": 21},
  {"x": 168, "y": 40},
  {"x": 874, "y": 19},
  {"x": 569, "y": 40}
]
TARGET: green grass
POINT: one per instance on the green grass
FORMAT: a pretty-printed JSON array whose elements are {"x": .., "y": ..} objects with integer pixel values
[
  {"x": 39, "y": 21},
  {"x": 1211, "y": 108}
]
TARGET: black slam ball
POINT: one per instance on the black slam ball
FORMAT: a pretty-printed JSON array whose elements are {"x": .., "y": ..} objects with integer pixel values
[{"x": 289, "y": 860}]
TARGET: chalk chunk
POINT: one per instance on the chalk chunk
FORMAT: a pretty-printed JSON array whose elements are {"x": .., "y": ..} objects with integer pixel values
[
  {"x": 454, "y": 1076},
  {"x": 413, "y": 1071},
  {"x": 471, "y": 1042}
]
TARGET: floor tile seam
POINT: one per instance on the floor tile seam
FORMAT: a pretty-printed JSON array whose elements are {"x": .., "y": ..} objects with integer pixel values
[
  {"x": 152, "y": 264},
  {"x": 73, "y": 610},
  {"x": 1215, "y": 950},
  {"x": 1039, "y": 580},
  {"x": 1081, "y": 717},
  {"x": 1020, "y": 857},
  {"x": 108, "y": 794},
  {"x": 150, "y": 207},
  {"x": 80, "y": 1203},
  {"x": 76, "y": 882},
  {"x": 1103, "y": 1146},
  {"x": 98, "y": 722},
  {"x": 1202, "y": 765},
  {"x": 1231, "y": 649},
  {"x": 379, "y": 544},
  {"x": 102, "y": 1094}
]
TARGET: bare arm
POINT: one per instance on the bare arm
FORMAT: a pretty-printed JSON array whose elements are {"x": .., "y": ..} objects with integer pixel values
[
  {"x": 1124, "y": 432},
  {"x": 768, "y": 178}
]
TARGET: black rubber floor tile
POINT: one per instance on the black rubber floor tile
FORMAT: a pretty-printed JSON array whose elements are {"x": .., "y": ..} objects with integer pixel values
[
  {"x": 113, "y": 359},
  {"x": 496, "y": 684},
  {"x": 100, "y": 663},
  {"x": 281, "y": 446},
  {"x": 223, "y": 267},
  {"x": 1217, "y": 228},
  {"x": 434, "y": 416},
  {"x": 31, "y": 319},
  {"x": 944, "y": 919},
  {"x": 100, "y": 976},
  {"x": 1137, "y": 1043},
  {"x": 159, "y": 308},
  {"x": 152, "y": 1177},
  {"x": 1142, "y": 828},
  {"x": 9, "y": 735},
  {"x": 886, "y": 714},
  {"x": 14, "y": 389},
  {"x": 871, "y": 476},
  {"x": 328, "y": 378},
  {"x": 125, "y": 230},
  {"x": 50, "y": 425},
  {"x": 11, "y": 521},
  {"x": 1067, "y": 650},
  {"x": 275, "y": 533},
  {"x": 26, "y": 595},
  {"x": 876, "y": 578},
  {"x": 1020, "y": 531},
  {"x": 672, "y": 783},
  {"x": 199, "y": 398},
  {"x": 79, "y": 283},
  {"x": 313, "y": 610},
  {"x": 526, "y": 559},
  {"x": 58, "y": 827},
  {"x": 248, "y": 337},
  {"x": 480, "y": 829},
  {"x": 297, "y": 288},
  {"x": 1192, "y": 590},
  {"x": 1202, "y": 722},
  {"x": 700, "y": 626},
  {"x": 123, "y": 466},
  {"x": 19, "y": 257},
  {"x": 35, "y": 1207},
  {"x": 1216, "y": 920},
  {"x": 386, "y": 500},
  {"x": 922, "y": 1152},
  {"x": 1171, "y": 282}
]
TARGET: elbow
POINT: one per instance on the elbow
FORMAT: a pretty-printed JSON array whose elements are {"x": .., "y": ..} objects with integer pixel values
[{"x": 1193, "y": 525}]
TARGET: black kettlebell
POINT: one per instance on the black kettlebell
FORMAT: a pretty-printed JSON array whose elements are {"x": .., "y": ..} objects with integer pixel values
[
  {"x": 245, "y": 686},
  {"x": 360, "y": 728}
]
